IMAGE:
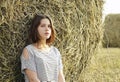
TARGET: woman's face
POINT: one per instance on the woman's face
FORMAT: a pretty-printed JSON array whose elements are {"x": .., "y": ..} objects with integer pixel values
[{"x": 44, "y": 29}]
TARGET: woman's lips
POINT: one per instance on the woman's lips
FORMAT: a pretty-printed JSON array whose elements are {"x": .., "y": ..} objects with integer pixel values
[{"x": 46, "y": 33}]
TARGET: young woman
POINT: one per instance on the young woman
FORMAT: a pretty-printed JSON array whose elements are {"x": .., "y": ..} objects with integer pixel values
[{"x": 40, "y": 61}]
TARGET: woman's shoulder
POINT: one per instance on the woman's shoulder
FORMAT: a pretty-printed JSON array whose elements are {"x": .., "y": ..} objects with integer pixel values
[
  {"x": 56, "y": 50},
  {"x": 28, "y": 47},
  {"x": 54, "y": 47}
]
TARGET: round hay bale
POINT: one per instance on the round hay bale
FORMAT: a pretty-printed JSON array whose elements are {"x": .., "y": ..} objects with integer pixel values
[
  {"x": 78, "y": 26},
  {"x": 112, "y": 31}
]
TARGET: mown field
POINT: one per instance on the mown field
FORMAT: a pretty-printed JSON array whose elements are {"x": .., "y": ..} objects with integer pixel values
[{"x": 104, "y": 67}]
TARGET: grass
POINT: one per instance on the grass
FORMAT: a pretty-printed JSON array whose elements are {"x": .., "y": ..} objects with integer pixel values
[{"x": 104, "y": 67}]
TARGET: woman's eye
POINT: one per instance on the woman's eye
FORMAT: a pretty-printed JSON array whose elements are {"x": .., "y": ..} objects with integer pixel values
[
  {"x": 42, "y": 25},
  {"x": 49, "y": 26}
]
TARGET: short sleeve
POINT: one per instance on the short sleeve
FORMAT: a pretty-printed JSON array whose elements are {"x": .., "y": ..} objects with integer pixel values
[
  {"x": 60, "y": 62},
  {"x": 28, "y": 63},
  {"x": 60, "y": 65}
]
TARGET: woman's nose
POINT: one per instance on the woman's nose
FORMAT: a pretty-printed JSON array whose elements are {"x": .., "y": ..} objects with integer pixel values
[{"x": 47, "y": 28}]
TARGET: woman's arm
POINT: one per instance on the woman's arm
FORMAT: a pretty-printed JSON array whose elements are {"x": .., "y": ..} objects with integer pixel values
[
  {"x": 32, "y": 76},
  {"x": 61, "y": 76}
]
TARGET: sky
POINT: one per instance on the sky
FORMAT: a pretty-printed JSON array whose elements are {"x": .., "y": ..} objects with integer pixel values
[{"x": 111, "y": 7}]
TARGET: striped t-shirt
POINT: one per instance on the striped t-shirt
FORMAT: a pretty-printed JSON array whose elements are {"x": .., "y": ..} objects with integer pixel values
[{"x": 45, "y": 64}]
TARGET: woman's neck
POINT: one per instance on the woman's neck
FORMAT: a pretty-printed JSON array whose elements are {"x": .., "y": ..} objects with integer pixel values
[{"x": 41, "y": 44}]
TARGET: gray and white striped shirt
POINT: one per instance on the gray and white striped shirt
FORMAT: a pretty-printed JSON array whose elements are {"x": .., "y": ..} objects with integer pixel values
[{"x": 45, "y": 64}]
